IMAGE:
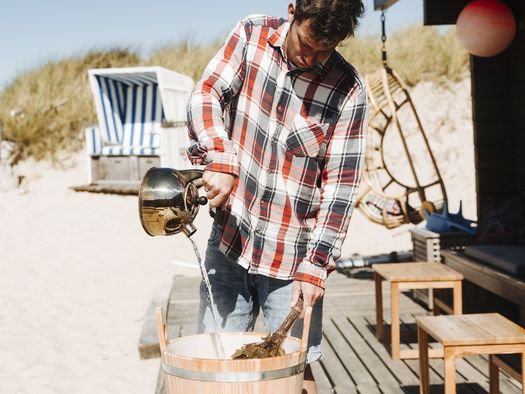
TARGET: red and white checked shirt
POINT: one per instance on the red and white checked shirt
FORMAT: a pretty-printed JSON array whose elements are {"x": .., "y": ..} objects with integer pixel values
[{"x": 255, "y": 115}]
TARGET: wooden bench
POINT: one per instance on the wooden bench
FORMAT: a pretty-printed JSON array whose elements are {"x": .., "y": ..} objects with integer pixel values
[
  {"x": 408, "y": 276},
  {"x": 500, "y": 283},
  {"x": 476, "y": 334}
]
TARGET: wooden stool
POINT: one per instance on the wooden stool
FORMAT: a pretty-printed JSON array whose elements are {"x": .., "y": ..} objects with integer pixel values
[
  {"x": 406, "y": 276},
  {"x": 486, "y": 333}
]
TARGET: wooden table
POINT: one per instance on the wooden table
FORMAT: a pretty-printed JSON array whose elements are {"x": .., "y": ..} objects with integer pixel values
[
  {"x": 407, "y": 276},
  {"x": 486, "y": 333}
]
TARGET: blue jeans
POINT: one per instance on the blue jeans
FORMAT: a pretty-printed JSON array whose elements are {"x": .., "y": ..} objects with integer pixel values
[{"x": 239, "y": 296}]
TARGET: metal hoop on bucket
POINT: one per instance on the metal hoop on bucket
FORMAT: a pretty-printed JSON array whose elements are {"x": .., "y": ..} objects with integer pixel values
[{"x": 233, "y": 377}]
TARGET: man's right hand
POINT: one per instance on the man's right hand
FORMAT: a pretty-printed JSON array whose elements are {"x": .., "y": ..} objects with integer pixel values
[{"x": 218, "y": 186}]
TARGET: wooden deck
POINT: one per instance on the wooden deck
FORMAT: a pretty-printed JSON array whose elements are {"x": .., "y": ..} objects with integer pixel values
[{"x": 354, "y": 360}]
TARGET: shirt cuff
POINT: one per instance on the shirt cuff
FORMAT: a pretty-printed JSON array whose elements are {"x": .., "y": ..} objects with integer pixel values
[
  {"x": 311, "y": 273},
  {"x": 223, "y": 162}
]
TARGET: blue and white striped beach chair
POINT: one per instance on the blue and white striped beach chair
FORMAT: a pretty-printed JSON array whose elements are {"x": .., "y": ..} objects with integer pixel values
[{"x": 141, "y": 122}]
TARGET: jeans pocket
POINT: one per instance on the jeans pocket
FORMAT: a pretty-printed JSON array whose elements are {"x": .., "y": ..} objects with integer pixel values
[
  {"x": 306, "y": 136},
  {"x": 216, "y": 232}
]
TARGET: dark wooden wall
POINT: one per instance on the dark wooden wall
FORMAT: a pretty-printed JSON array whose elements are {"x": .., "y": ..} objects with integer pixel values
[
  {"x": 442, "y": 12},
  {"x": 498, "y": 92}
]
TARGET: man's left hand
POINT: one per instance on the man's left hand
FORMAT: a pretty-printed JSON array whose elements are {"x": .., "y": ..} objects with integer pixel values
[{"x": 311, "y": 293}]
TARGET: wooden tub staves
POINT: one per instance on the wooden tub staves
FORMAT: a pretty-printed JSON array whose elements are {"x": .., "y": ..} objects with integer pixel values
[{"x": 190, "y": 364}]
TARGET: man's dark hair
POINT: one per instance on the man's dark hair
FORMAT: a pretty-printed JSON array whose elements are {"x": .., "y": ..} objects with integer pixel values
[{"x": 331, "y": 20}]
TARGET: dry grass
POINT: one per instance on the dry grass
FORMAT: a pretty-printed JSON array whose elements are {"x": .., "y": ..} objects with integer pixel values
[
  {"x": 418, "y": 53},
  {"x": 45, "y": 110},
  {"x": 184, "y": 57},
  {"x": 54, "y": 103}
]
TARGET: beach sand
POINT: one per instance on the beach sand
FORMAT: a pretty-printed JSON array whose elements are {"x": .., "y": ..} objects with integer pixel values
[{"x": 77, "y": 272}]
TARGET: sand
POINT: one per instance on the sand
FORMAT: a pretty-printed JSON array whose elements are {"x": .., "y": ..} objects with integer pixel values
[{"x": 77, "y": 271}]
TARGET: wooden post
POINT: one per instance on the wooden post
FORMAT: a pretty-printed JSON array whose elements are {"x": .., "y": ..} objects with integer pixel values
[
  {"x": 493, "y": 375},
  {"x": 522, "y": 373},
  {"x": 457, "y": 298},
  {"x": 422, "y": 338},
  {"x": 450, "y": 371},
  {"x": 379, "y": 306},
  {"x": 394, "y": 320}
]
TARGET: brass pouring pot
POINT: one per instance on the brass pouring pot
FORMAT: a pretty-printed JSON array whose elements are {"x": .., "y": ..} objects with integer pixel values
[{"x": 169, "y": 201}]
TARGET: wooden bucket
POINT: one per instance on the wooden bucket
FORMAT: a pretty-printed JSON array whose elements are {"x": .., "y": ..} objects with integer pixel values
[{"x": 190, "y": 364}]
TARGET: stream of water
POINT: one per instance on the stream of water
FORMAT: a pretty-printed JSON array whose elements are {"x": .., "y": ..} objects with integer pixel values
[{"x": 219, "y": 346}]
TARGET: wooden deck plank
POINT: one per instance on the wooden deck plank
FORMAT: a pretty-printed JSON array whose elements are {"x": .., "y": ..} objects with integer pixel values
[
  {"x": 345, "y": 390},
  {"x": 349, "y": 359},
  {"x": 335, "y": 370},
  {"x": 321, "y": 380},
  {"x": 371, "y": 361},
  {"x": 399, "y": 370},
  {"x": 368, "y": 389},
  {"x": 390, "y": 389}
]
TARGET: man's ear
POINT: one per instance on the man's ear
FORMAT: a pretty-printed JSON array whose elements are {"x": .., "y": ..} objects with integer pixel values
[{"x": 291, "y": 12}]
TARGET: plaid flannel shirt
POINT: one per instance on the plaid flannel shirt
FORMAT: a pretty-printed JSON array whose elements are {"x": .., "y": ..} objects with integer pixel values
[{"x": 295, "y": 140}]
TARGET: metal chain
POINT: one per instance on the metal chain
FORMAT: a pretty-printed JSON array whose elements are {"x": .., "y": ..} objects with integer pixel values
[{"x": 383, "y": 37}]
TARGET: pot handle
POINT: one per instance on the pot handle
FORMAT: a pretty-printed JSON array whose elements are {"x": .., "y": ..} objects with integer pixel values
[
  {"x": 192, "y": 175},
  {"x": 306, "y": 328},
  {"x": 160, "y": 318}
]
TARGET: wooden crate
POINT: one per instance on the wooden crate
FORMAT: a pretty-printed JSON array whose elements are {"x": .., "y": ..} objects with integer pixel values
[
  {"x": 111, "y": 169},
  {"x": 427, "y": 246}
]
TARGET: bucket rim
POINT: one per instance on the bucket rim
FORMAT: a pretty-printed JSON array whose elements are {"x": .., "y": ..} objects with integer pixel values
[{"x": 298, "y": 352}]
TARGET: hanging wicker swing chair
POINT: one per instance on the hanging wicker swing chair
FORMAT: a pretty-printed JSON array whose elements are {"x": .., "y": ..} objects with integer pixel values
[{"x": 401, "y": 176}]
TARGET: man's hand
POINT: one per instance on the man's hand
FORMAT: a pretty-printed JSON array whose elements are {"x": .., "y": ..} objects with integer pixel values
[
  {"x": 218, "y": 186},
  {"x": 311, "y": 293}
]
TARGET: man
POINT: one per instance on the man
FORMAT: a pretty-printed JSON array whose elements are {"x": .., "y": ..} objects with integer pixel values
[{"x": 278, "y": 119}]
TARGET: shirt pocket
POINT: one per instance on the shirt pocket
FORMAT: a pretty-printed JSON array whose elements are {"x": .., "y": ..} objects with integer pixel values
[{"x": 306, "y": 136}]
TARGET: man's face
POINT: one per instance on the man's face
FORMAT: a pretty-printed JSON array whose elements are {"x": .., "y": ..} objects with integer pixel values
[{"x": 301, "y": 49}]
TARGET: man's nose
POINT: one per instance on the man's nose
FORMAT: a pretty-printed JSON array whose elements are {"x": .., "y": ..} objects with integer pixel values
[{"x": 310, "y": 59}]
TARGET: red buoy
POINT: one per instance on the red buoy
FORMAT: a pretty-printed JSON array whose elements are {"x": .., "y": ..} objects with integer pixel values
[{"x": 486, "y": 27}]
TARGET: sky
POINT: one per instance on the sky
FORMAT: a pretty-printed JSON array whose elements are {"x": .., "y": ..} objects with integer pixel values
[{"x": 33, "y": 32}]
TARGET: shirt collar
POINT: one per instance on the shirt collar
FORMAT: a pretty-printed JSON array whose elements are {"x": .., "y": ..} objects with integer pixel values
[{"x": 277, "y": 40}]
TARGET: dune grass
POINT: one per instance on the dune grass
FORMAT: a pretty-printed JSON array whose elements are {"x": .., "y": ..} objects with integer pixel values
[
  {"x": 418, "y": 53},
  {"x": 45, "y": 110},
  {"x": 184, "y": 57}
]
